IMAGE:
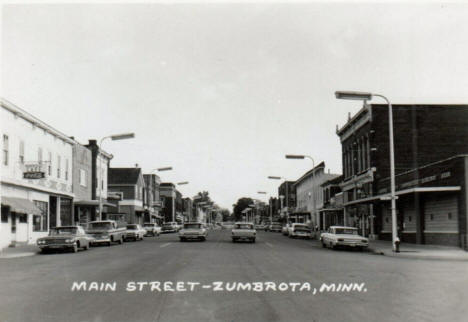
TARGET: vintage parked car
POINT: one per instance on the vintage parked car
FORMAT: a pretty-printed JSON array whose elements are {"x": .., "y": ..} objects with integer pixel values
[
  {"x": 340, "y": 236},
  {"x": 134, "y": 232},
  {"x": 170, "y": 227},
  {"x": 275, "y": 227},
  {"x": 243, "y": 231},
  {"x": 299, "y": 230},
  {"x": 193, "y": 230},
  {"x": 65, "y": 237},
  {"x": 285, "y": 229},
  {"x": 105, "y": 232},
  {"x": 152, "y": 229}
]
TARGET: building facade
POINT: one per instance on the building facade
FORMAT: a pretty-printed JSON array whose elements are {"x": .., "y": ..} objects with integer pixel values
[
  {"x": 167, "y": 192},
  {"x": 84, "y": 211},
  {"x": 331, "y": 212},
  {"x": 129, "y": 184},
  {"x": 309, "y": 196},
  {"x": 151, "y": 199},
  {"x": 423, "y": 135},
  {"x": 287, "y": 197},
  {"x": 36, "y": 177}
]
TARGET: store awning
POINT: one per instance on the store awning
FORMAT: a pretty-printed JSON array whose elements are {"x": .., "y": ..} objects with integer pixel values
[
  {"x": 386, "y": 196},
  {"x": 21, "y": 205},
  {"x": 93, "y": 203}
]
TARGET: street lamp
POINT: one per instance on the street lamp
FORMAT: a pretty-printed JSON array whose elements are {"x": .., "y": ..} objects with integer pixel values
[
  {"x": 365, "y": 96},
  {"x": 303, "y": 156},
  {"x": 114, "y": 137}
]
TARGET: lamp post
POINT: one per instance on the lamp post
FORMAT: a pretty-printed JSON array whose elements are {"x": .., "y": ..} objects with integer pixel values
[
  {"x": 115, "y": 137},
  {"x": 365, "y": 96},
  {"x": 302, "y": 156}
]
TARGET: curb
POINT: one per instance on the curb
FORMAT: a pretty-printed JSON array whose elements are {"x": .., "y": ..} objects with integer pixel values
[
  {"x": 415, "y": 256},
  {"x": 17, "y": 255}
]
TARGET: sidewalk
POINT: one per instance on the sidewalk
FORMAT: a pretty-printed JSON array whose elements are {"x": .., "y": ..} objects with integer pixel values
[
  {"x": 19, "y": 251},
  {"x": 382, "y": 247}
]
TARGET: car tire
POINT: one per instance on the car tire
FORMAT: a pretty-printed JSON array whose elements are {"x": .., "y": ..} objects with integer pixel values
[
  {"x": 253, "y": 240},
  {"x": 86, "y": 247},
  {"x": 108, "y": 244},
  {"x": 203, "y": 239},
  {"x": 234, "y": 240},
  {"x": 44, "y": 251},
  {"x": 182, "y": 239},
  {"x": 324, "y": 245}
]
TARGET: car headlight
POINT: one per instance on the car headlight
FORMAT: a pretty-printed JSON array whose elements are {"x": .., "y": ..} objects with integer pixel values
[
  {"x": 70, "y": 240},
  {"x": 41, "y": 242}
]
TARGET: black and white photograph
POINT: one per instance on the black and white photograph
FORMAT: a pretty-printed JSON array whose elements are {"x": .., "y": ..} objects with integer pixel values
[{"x": 234, "y": 161}]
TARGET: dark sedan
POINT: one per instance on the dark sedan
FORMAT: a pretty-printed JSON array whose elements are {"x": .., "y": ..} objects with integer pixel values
[{"x": 65, "y": 237}]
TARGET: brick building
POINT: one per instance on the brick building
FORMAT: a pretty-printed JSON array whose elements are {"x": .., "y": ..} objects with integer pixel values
[
  {"x": 129, "y": 183},
  {"x": 423, "y": 135}
]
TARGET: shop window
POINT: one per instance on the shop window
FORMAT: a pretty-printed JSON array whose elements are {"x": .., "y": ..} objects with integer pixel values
[
  {"x": 83, "y": 178},
  {"x": 386, "y": 220},
  {"x": 40, "y": 221},
  {"x": 49, "y": 166},
  {"x": 59, "y": 161},
  {"x": 449, "y": 215},
  {"x": 23, "y": 218},
  {"x": 431, "y": 217},
  {"x": 409, "y": 218}
]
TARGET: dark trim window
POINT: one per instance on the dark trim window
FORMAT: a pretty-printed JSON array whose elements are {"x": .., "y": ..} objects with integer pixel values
[{"x": 59, "y": 160}]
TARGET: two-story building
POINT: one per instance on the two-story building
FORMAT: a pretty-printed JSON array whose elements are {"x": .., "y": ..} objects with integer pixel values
[
  {"x": 167, "y": 192},
  {"x": 332, "y": 211},
  {"x": 36, "y": 177},
  {"x": 287, "y": 197},
  {"x": 129, "y": 183},
  {"x": 309, "y": 196},
  {"x": 423, "y": 135},
  {"x": 151, "y": 199}
]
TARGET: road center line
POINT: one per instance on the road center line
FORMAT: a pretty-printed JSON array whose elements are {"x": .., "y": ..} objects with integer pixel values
[
  {"x": 164, "y": 245},
  {"x": 268, "y": 244}
]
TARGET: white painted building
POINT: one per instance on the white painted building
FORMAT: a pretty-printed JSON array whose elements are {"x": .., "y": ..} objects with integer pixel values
[
  {"x": 30, "y": 206},
  {"x": 309, "y": 194}
]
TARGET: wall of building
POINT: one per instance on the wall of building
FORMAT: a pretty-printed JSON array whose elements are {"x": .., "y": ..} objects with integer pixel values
[{"x": 82, "y": 171}]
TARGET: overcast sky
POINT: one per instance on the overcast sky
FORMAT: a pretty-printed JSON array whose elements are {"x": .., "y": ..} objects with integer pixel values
[{"x": 222, "y": 91}]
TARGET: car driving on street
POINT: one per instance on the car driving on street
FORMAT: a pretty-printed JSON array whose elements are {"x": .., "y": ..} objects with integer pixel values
[
  {"x": 341, "y": 236},
  {"x": 134, "y": 232},
  {"x": 274, "y": 227},
  {"x": 193, "y": 230},
  {"x": 299, "y": 230},
  {"x": 243, "y": 231},
  {"x": 170, "y": 227},
  {"x": 152, "y": 229},
  {"x": 65, "y": 237}
]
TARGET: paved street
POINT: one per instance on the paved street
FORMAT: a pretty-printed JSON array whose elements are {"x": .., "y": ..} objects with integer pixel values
[{"x": 38, "y": 288}]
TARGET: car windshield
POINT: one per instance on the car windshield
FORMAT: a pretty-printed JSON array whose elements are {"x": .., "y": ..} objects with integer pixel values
[
  {"x": 148, "y": 225},
  {"x": 63, "y": 231},
  {"x": 100, "y": 225},
  {"x": 243, "y": 226},
  {"x": 301, "y": 226},
  {"x": 132, "y": 227},
  {"x": 192, "y": 226},
  {"x": 168, "y": 225},
  {"x": 346, "y": 231}
]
